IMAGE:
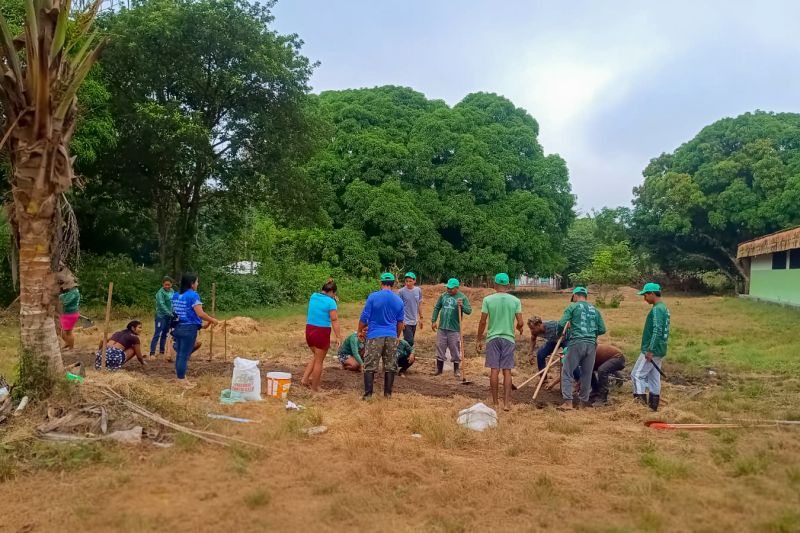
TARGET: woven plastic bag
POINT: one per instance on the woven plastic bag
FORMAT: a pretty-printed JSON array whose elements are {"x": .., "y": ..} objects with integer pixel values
[
  {"x": 479, "y": 417},
  {"x": 246, "y": 379}
]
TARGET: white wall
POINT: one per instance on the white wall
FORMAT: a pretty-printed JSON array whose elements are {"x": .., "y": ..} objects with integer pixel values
[{"x": 761, "y": 262}]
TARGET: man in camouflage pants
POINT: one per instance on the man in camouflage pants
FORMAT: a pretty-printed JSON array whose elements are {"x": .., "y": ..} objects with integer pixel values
[{"x": 383, "y": 317}]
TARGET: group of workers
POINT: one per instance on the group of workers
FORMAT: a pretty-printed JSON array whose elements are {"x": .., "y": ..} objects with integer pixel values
[
  {"x": 178, "y": 314},
  {"x": 386, "y": 335},
  {"x": 389, "y": 320}
]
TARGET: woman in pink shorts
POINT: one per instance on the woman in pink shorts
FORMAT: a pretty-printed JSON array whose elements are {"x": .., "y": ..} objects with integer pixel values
[{"x": 70, "y": 299}]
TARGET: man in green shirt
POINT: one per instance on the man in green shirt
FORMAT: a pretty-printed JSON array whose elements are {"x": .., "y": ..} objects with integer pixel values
[
  {"x": 451, "y": 306},
  {"x": 163, "y": 317},
  {"x": 585, "y": 325},
  {"x": 500, "y": 310},
  {"x": 645, "y": 375},
  {"x": 405, "y": 356},
  {"x": 351, "y": 352}
]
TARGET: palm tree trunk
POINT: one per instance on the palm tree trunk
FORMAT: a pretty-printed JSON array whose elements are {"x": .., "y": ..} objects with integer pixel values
[{"x": 35, "y": 190}]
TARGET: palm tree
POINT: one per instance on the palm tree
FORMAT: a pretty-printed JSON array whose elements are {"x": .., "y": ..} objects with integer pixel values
[{"x": 40, "y": 72}]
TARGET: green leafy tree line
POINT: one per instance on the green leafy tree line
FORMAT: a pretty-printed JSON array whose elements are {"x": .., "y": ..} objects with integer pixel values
[{"x": 739, "y": 178}]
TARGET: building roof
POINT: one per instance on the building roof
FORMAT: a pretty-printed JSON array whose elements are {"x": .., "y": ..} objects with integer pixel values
[{"x": 774, "y": 242}]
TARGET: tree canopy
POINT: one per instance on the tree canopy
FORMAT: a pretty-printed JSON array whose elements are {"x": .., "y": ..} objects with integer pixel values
[
  {"x": 464, "y": 190},
  {"x": 737, "y": 179},
  {"x": 211, "y": 105}
]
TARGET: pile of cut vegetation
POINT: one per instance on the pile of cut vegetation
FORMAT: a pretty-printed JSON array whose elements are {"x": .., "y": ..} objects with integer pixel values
[{"x": 242, "y": 325}]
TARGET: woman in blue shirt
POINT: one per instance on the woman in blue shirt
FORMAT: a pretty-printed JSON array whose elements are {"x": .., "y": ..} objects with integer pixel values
[
  {"x": 322, "y": 317},
  {"x": 189, "y": 309}
]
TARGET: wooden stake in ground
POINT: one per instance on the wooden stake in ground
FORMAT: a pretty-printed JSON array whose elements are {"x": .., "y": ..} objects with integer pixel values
[
  {"x": 225, "y": 338},
  {"x": 551, "y": 361},
  {"x": 464, "y": 380},
  {"x": 213, "y": 312},
  {"x": 105, "y": 325}
]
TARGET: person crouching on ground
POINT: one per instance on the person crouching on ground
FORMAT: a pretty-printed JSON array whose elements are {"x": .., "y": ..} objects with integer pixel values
[
  {"x": 322, "y": 318},
  {"x": 405, "y": 356},
  {"x": 70, "y": 302},
  {"x": 585, "y": 325},
  {"x": 608, "y": 360},
  {"x": 189, "y": 309},
  {"x": 382, "y": 317},
  {"x": 451, "y": 306},
  {"x": 412, "y": 302},
  {"x": 655, "y": 336},
  {"x": 121, "y": 347},
  {"x": 500, "y": 310},
  {"x": 550, "y": 331},
  {"x": 163, "y": 317},
  {"x": 351, "y": 352}
]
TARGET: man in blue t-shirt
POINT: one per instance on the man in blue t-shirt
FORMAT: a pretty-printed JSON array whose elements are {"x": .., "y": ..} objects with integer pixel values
[{"x": 383, "y": 316}]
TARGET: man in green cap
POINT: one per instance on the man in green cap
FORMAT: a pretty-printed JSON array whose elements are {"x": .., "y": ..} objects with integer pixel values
[
  {"x": 645, "y": 375},
  {"x": 585, "y": 325},
  {"x": 451, "y": 306},
  {"x": 412, "y": 300},
  {"x": 500, "y": 310},
  {"x": 383, "y": 318}
]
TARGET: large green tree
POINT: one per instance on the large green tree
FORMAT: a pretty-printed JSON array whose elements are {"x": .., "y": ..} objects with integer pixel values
[
  {"x": 465, "y": 190},
  {"x": 737, "y": 179},
  {"x": 211, "y": 103}
]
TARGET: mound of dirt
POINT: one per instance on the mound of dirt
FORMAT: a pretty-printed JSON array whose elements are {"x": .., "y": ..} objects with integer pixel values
[{"x": 242, "y": 325}]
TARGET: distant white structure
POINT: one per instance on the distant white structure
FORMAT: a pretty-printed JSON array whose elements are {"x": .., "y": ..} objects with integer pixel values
[
  {"x": 537, "y": 282},
  {"x": 244, "y": 267}
]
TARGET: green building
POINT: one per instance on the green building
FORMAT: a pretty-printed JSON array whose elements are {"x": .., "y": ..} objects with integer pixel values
[{"x": 774, "y": 265}]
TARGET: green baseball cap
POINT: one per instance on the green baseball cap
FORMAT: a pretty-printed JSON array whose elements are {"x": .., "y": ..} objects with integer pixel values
[
  {"x": 411, "y": 275},
  {"x": 501, "y": 278},
  {"x": 650, "y": 287},
  {"x": 580, "y": 290},
  {"x": 387, "y": 276},
  {"x": 452, "y": 283}
]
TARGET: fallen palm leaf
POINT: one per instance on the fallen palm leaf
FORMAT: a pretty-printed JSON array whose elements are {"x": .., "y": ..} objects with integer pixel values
[{"x": 206, "y": 436}]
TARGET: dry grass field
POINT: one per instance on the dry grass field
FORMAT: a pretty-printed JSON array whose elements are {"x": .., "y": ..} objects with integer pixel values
[{"x": 539, "y": 470}]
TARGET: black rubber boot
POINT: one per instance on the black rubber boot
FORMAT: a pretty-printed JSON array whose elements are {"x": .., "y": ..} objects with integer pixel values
[
  {"x": 456, "y": 371},
  {"x": 642, "y": 398},
  {"x": 601, "y": 400},
  {"x": 654, "y": 400},
  {"x": 388, "y": 383},
  {"x": 439, "y": 368},
  {"x": 369, "y": 382}
]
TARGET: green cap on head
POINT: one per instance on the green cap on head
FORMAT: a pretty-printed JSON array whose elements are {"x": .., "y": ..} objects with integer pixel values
[
  {"x": 452, "y": 283},
  {"x": 501, "y": 278},
  {"x": 387, "y": 276},
  {"x": 411, "y": 275},
  {"x": 580, "y": 290},
  {"x": 650, "y": 287}
]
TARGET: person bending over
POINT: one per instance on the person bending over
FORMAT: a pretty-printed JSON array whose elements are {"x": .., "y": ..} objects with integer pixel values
[
  {"x": 351, "y": 353},
  {"x": 121, "y": 347}
]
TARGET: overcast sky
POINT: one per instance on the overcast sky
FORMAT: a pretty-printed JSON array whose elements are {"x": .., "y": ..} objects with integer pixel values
[{"x": 612, "y": 83}]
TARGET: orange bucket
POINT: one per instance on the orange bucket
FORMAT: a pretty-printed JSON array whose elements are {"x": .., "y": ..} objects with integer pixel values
[{"x": 278, "y": 384}]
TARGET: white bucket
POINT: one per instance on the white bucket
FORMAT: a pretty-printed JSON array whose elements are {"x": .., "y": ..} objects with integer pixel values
[{"x": 278, "y": 384}]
